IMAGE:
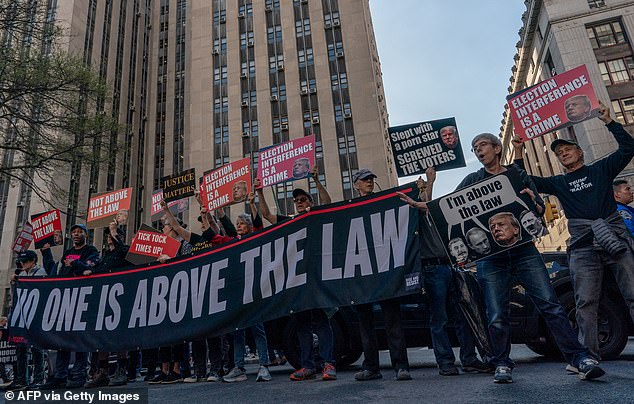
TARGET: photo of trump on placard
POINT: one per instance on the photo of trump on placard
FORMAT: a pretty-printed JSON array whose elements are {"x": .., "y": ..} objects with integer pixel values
[{"x": 505, "y": 228}]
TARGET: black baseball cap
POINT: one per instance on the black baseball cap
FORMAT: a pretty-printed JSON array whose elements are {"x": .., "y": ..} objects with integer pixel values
[
  {"x": 298, "y": 191},
  {"x": 558, "y": 142},
  {"x": 26, "y": 256}
]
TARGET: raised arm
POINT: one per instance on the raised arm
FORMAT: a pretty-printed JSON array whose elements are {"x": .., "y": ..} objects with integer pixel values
[
  {"x": 180, "y": 230},
  {"x": 324, "y": 197},
  {"x": 265, "y": 212}
]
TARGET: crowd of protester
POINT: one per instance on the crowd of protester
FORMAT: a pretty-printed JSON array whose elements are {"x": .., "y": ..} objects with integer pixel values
[{"x": 222, "y": 358}]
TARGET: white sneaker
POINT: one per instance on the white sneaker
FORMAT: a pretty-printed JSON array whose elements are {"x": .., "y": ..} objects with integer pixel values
[
  {"x": 214, "y": 377},
  {"x": 263, "y": 375},
  {"x": 193, "y": 379},
  {"x": 235, "y": 375},
  {"x": 571, "y": 369}
]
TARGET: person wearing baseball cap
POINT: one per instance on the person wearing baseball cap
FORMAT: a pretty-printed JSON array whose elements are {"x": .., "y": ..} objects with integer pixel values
[
  {"x": 599, "y": 239},
  {"x": 363, "y": 182},
  {"x": 79, "y": 260},
  {"x": 302, "y": 199},
  {"x": 314, "y": 320},
  {"x": 30, "y": 268}
]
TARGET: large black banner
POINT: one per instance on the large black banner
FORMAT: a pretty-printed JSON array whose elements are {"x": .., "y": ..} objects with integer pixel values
[{"x": 337, "y": 255}]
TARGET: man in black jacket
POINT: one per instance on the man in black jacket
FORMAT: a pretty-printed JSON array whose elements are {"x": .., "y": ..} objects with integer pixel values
[
  {"x": 586, "y": 195},
  {"x": 79, "y": 260}
]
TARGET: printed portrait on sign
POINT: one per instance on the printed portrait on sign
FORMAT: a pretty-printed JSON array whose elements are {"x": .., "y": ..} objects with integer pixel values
[
  {"x": 458, "y": 249},
  {"x": 301, "y": 168},
  {"x": 532, "y": 224},
  {"x": 239, "y": 191},
  {"x": 505, "y": 229},
  {"x": 449, "y": 136},
  {"x": 578, "y": 108},
  {"x": 478, "y": 240}
]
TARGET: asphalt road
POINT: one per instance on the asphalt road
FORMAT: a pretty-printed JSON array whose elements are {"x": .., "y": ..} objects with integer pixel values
[{"x": 536, "y": 380}]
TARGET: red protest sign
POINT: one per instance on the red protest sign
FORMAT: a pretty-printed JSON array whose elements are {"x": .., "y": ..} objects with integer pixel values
[
  {"x": 226, "y": 185},
  {"x": 24, "y": 239},
  {"x": 148, "y": 244},
  {"x": 288, "y": 161},
  {"x": 104, "y": 207},
  {"x": 156, "y": 211},
  {"x": 553, "y": 104},
  {"x": 47, "y": 228}
]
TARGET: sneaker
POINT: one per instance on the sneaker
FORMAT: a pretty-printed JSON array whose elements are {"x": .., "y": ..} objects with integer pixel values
[
  {"x": 194, "y": 379},
  {"x": 214, "y": 377},
  {"x": 572, "y": 370},
  {"x": 365, "y": 375},
  {"x": 282, "y": 361},
  {"x": 120, "y": 378},
  {"x": 158, "y": 379},
  {"x": 589, "y": 369},
  {"x": 403, "y": 374},
  {"x": 477, "y": 367},
  {"x": 172, "y": 378},
  {"x": 503, "y": 374},
  {"x": 53, "y": 383},
  {"x": 329, "y": 372},
  {"x": 76, "y": 384},
  {"x": 303, "y": 374},
  {"x": 448, "y": 370},
  {"x": 235, "y": 375},
  {"x": 99, "y": 379},
  {"x": 15, "y": 386},
  {"x": 149, "y": 377},
  {"x": 263, "y": 375}
]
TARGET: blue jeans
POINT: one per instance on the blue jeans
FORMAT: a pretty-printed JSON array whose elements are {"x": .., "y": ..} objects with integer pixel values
[
  {"x": 587, "y": 267},
  {"x": 317, "y": 321},
  {"x": 78, "y": 373},
  {"x": 260, "y": 341},
  {"x": 495, "y": 274},
  {"x": 439, "y": 287}
]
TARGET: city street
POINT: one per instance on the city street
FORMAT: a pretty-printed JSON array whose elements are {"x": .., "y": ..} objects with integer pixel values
[{"x": 535, "y": 380}]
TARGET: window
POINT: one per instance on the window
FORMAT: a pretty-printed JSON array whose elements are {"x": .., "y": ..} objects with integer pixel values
[
  {"x": 624, "y": 110},
  {"x": 302, "y": 27},
  {"x": 596, "y": 3},
  {"x": 607, "y": 34},
  {"x": 617, "y": 71}
]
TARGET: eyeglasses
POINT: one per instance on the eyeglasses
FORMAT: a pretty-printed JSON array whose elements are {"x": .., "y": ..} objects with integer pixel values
[
  {"x": 479, "y": 145},
  {"x": 300, "y": 200}
]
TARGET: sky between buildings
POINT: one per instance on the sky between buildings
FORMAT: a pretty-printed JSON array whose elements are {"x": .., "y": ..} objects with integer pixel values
[{"x": 448, "y": 58}]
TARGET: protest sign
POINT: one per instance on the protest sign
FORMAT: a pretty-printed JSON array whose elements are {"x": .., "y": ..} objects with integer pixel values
[
  {"x": 179, "y": 186},
  {"x": 417, "y": 146},
  {"x": 24, "y": 239},
  {"x": 553, "y": 104},
  {"x": 176, "y": 207},
  {"x": 226, "y": 185},
  {"x": 485, "y": 218},
  {"x": 47, "y": 228},
  {"x": 148, "y": 244},
  {"x": 292, "y": 160},
  {"x": 335, "y": 255},
  {"x": 105, "y": 207}
]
